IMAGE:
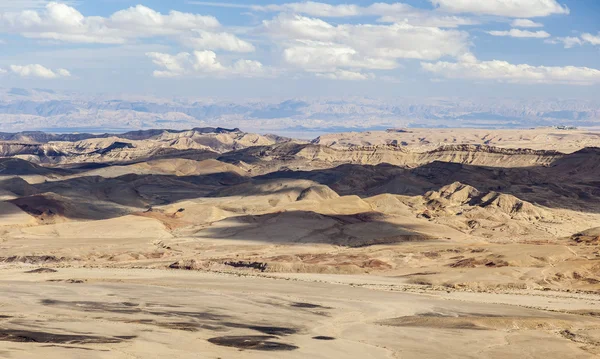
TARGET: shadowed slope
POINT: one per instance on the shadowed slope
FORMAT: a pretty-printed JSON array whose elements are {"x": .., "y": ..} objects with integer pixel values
[{"x": 358, "y": 230}]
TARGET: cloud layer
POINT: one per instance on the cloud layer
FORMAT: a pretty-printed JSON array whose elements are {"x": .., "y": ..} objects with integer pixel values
[
  {"x": 510, "y": 8},
  {"x": 571, "y": 41},
  {"x": 309, "y": 39},
  {"x": 521, "y": 33},
  {"x": 503, "y": 71},
  {"x": 61, "y": 22},
  {"x": 36, "y": 70},
  {"x": 525, "y": 23},
  {"x": 203, "y": 64},
  {"x": 315, "y": 45}
]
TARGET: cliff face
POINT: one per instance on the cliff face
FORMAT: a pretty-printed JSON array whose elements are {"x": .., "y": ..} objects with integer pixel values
[
  {"x": 241, "y": 146},
  {"x": 464, "y": 154},
  {"x": 139, "y": 145}
]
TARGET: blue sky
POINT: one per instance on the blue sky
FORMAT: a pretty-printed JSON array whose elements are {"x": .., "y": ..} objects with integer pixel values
[{"x": 253, "y": 49}]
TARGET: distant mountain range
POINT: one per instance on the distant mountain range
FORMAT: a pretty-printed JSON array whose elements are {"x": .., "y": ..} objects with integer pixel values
[{"x": 41, "y": 109}]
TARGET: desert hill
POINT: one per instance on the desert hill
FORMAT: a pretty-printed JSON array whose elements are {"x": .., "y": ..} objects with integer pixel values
[
  {"x": 214, "y": 196},
  {"x": 139, "y": 145},
  {"x": 424, "y": 139},
  {"x": 18, "y": 167}
]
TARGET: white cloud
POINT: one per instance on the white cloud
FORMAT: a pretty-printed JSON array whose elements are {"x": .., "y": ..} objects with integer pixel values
[
  {"x": 521, "y": 33},
  {"x": 315, "y": 9},
  {"x": 316, "y": 45},
  {"x": 318, "y": 9},
  {"x": 2, "y": 71},
  {"x": 64, "y": 23},
  {"x": 317, "y": 56},
  {"x": 387, "y": 13},
  {"x": 36, "y": 70},
  {"x": 503, "y": 71},
  {"x": 249, "y": 68},
  {"x": 525, "y": 23},
  {"x": 428, "y": 20},
  {"x": 568, "y": 41},
  {"x": 591, "y": 39},
  {"x": 300, "y": 27},
  {"x": 220, "y": 4},
  {"x": 29, "y": 4},
  {"x": 510, "y": 8},
  {"x": 175, "y": 65},
  {"x": 204, "y": 64},
  {"x": 345, "y": 75},
  {"x": 217, "y": 41},
  {"x": 63, "y": 73},
  {"x": 140, "y": 19},
  {"x": 571, "y": 41},
  {"x": 395, "y": 12}
]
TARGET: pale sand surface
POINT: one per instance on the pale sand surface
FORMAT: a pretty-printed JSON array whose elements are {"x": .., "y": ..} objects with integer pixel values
[{"x": 172, "y": 314}]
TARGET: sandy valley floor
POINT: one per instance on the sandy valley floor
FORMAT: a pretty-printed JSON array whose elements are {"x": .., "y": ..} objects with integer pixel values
[{"x": 117, "y": 313}]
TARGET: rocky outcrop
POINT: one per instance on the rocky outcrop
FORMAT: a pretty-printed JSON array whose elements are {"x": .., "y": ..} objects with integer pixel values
[
  {"x": 589, "y": 237},
  {"x": 465, "y": 196},
  {"x": 127, "y": 147}
]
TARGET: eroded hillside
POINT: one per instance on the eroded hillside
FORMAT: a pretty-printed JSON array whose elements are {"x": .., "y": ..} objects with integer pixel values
[{"x": 460, "y": 215}]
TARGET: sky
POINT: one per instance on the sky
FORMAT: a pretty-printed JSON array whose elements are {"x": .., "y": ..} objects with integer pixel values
[{"x": 253, "y": 49}]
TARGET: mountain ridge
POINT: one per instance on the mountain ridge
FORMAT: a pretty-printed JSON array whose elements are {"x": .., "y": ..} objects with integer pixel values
[{"x": 23, "y": 109}]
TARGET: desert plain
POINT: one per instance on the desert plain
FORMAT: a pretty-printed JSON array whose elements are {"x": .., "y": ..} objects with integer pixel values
[{"x": 216, "y": 243}]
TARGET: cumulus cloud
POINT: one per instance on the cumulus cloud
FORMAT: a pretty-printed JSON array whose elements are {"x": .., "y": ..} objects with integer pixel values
[
  {"x": 61, "y": 22},
  {"x": 249, "y": 68},
  {"x": 591, "y": 39},
  {"x": 217, "y": 41},
  {"x": 428, "y": 20},
  {"x": 63, "y": 73},
  {"x": 204, "y": 64},
  {"x": 141, "y": 19},
  {"x": 571, "y": 41},
  {"x": 568, "y": 41},
  {"x": 28, "y": 4},
  {"x": 318, "y": 56},
  {"x": 300, "y": 27},
  {"x": 503, "y": 71},
  {"x": 345, "y": 75},
  {"x": 521, "y": 33},
  {"x": 316, "y": 9},
  {"x": 387, "y": 13},
  {"x": 36, "y": 70},
  {"x": 174, "y": 65},
  {"x": 525, "y": 23},
  {"x": 510, "y": 8},
  {"x": 316, "y": 45}
]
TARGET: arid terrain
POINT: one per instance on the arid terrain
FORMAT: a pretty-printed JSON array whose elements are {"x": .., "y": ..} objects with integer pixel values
[{"x": 217, "y": 243}]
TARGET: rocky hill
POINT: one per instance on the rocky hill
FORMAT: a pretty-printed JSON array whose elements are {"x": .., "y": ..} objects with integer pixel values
[{"x": 469, "y": 215}]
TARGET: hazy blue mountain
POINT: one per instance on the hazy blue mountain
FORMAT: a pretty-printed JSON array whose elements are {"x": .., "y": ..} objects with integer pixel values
[{"x": 42, "y": 109}]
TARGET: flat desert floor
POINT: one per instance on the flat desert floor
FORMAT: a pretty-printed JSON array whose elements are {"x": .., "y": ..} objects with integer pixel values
[{"x": 128, "y": 313}]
